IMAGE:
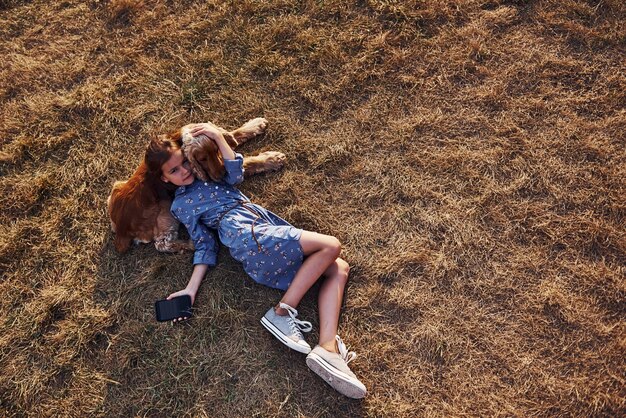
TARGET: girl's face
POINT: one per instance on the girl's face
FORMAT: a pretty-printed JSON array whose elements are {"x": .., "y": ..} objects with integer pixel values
[{"x": 176, "y": 170}]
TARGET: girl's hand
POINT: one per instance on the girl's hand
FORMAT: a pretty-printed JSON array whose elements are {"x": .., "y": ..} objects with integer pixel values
[
  {"x": 213, "y": 132},
  {"x": 183, "y": 293},
  {"x": 207, "y": 129}
]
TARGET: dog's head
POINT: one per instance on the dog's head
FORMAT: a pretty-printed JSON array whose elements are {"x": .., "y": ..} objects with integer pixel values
[{"x": 204, "y": 156}]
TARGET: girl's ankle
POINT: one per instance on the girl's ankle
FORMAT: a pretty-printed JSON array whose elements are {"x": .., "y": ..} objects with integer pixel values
[
  {"x": 280, "y": 311},
  {"x": 331, "y": 347}
]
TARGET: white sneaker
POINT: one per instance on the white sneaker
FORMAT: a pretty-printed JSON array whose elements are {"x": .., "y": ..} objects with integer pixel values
[
  {"x": 287, "y": 328},
  {"x": 333, "y": 368}
]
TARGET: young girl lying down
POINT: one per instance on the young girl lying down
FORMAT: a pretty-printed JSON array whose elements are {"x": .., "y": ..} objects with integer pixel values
[{"x": 273, "y": 253}]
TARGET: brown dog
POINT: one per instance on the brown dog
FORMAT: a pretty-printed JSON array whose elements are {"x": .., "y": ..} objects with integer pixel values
[{"x": 138, "y": 214}]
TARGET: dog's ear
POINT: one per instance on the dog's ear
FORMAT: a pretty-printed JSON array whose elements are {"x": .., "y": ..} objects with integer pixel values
[
  {"x": 192, "y": 152},
  {"x": 215, "y": 165},
  {"x": 208, "y": 158}
]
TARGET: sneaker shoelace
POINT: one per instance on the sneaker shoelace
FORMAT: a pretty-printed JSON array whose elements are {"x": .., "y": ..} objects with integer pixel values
[
  {"x": 296, "y": 325},
  {"x": 346, "y": 355}
]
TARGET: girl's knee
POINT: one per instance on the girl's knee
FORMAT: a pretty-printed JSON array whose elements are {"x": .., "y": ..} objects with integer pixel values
[
  {"x": 334, "y": 245},
  {"x": 343, "y": 269},
  {"x": 312, "y": 242}
]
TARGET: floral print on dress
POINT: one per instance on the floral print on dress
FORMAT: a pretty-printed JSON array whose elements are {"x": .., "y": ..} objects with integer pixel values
[{"x": 266, "y": 245}]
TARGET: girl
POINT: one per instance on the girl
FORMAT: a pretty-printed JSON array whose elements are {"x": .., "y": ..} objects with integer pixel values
[{"x": 273, "y": 253}]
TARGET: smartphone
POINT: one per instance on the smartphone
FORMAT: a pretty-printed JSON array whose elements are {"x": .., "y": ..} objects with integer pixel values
[{"x": 178, "y": 307}]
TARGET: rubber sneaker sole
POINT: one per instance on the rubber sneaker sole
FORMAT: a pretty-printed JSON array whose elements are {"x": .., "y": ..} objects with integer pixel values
[
  {"x": 281, "y": 337},
  {"x": 341, "y": 382}
]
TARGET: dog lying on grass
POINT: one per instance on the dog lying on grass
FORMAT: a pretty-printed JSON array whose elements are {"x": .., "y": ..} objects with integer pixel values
[{"x": 140, "y": 213}]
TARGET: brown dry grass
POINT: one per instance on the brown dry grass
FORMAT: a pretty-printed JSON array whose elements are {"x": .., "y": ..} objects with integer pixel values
[{"x": 469, "y": 154}]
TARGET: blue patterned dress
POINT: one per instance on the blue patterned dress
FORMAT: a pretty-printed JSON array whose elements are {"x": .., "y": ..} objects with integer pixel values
[{"x": 266, "y": 245}]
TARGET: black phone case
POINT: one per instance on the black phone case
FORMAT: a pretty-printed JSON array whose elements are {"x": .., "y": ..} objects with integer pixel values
[{"x": 177, "y": 307}]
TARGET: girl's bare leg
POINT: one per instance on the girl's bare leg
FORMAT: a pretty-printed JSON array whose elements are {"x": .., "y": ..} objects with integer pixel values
[
  {"x": 329, "y": 302},
  {"x": 321, "y": 251}
]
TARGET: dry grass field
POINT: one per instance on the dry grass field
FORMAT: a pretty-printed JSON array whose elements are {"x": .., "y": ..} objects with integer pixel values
[{"x": 470, "y": 155}]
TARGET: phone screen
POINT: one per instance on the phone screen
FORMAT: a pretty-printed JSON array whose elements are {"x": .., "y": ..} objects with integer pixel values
[{"x": 177, "y": 307}]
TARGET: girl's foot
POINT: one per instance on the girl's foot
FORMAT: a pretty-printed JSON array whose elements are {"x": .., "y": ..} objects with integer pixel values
[
  {"x": 333, "y": 368},
  {"x": 287, "y": 328}
]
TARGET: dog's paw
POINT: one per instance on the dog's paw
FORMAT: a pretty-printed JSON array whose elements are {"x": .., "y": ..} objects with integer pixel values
[
  {"x": 256, "y": 126},
  {"x": 273, "y": 160}
]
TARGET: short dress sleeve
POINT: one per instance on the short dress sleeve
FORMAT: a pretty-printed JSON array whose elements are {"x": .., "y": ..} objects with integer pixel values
[{"x": 234, "y": 170}]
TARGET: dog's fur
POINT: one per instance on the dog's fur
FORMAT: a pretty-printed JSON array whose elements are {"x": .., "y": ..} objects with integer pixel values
[{"x": 138, "y": 215}]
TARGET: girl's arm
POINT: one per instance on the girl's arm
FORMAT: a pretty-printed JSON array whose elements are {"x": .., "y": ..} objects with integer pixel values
[
  {"x": 205, "y": 255},
  {"x": 225, "y": 149},
  {"x": 199, "y": 270}
]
